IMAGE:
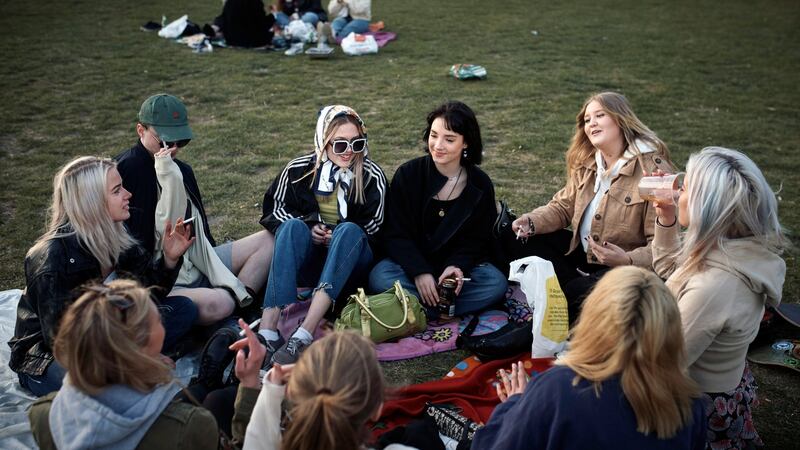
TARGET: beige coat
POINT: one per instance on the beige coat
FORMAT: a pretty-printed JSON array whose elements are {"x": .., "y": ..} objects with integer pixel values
[
  {"x": 358, "y": 9},
  {"x": 622, "y": 218},
  {"x": 722, "y": 306}
]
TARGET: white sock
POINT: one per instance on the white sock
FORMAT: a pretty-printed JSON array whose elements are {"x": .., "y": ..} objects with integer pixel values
[
  {"x": 269, "y": 335},
  {"x": 303, "y": 335}
]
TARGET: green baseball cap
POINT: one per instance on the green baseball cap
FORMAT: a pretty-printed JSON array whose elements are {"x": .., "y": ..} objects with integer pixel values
[{"x": 168, "y": 116}]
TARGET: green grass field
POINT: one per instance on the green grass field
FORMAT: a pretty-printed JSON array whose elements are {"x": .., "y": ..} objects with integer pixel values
[{"x": 698, "y": 73}]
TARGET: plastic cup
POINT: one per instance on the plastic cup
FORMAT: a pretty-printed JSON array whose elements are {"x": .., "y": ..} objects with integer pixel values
[{"x": 662, "y": 189}]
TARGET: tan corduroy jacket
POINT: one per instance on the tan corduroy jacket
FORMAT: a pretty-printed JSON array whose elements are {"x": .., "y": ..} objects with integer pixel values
[{"x": 622, "y": 218}]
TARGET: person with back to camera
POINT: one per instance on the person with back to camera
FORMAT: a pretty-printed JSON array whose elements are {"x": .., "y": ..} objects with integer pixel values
[
  {"x": 723, "y": 270},
  {"x": 86, "y": 240},
  {"x": 325, "y": 209},
  {"x": 621, "y": 384},
  {"x": 352, "y": 16},
  {"x": 440, "y": 212},
  {"x": 332, "y": 391},
  {"x": 117, "y": 393},
  {"x": 611, "y": 224}
]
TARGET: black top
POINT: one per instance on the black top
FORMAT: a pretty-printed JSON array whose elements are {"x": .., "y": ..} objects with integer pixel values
[
  {"x": 137, "y": 169},
  {"x": 53, "y": 278},
  {"x": 303, "y": 6},
  {"x": 245, "y": 23},
  {"x": 463, "y": 237}
]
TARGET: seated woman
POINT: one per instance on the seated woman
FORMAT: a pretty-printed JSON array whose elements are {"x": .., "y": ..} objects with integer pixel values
[
  {"x": 621, "y": 384},
  {"x": 245, "y": 23},
  {"x": 722, "y": 271},
  {"x": 610, "y": 224},
  {"x": 118, "y": 392},
  {"x": 85, "y": 241},
  {"x": 440, "y": 212},
  {"x": 309, "y": 11},
  {"x": 352, "y": 16},
  {"x": 334, "y": 389},
  {"x": 323, "y": 209}
]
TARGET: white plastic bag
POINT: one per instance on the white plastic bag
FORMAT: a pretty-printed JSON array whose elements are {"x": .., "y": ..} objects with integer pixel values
[
  {"x": 545, "y": 298},
  {"x": 175, "y": 28},
  {"x": 298, "y": 30},
  {"x": 351, "y": 45}
]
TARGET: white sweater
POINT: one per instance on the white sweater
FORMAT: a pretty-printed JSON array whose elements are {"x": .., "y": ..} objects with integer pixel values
[{"x": 359, "y": 9}]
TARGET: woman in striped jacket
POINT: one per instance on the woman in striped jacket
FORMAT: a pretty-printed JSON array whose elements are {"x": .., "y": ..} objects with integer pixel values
[{"x": 323, "y": 209}]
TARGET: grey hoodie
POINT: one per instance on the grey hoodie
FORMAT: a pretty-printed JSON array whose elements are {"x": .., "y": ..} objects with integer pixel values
[
  {"x": 117, "y": 418},
  {"x": 722, "y": 306}
]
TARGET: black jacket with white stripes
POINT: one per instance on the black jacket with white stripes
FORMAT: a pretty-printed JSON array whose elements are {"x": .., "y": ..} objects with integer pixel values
[{"x": 287, "y": 198}]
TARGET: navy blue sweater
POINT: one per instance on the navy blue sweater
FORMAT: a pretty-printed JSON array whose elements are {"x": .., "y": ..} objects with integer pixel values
[{"x": 553, "y": 414}]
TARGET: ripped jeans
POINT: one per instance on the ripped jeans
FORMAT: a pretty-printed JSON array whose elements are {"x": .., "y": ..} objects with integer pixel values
[{"x": 297, "y": 261}]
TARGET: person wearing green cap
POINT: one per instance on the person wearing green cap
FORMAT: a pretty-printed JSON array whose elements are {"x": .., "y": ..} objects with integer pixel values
[{"x": 216, "y": 278}]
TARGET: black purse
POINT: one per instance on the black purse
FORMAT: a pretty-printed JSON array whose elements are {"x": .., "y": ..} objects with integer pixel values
[{"x": 511, "y": 339}]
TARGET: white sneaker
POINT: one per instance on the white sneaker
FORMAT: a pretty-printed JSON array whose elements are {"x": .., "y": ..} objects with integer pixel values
[{"x": 295, "y": 49}]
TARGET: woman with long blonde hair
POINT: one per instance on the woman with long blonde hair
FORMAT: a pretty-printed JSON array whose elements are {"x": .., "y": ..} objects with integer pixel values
[
  {"x": 723, "y": 270},
  {"x": 611, "y": 225},
  {"x": 621, "y": 384},
  {"x": 324, "y": 210},
  {"x": 86, "y": 240}
]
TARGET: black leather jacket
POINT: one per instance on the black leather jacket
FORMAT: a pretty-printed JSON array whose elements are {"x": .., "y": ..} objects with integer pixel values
[{"x": 54, "y": 276}]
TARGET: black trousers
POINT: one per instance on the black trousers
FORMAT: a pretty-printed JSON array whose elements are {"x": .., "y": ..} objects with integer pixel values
[{"x": 553, "y": 247}]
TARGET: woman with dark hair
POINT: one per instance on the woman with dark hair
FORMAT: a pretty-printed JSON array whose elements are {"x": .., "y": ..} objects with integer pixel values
[{"x": 440, "y": 211}]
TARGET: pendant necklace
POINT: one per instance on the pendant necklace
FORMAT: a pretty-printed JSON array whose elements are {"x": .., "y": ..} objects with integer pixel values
[{"x": 441, "y": 208}]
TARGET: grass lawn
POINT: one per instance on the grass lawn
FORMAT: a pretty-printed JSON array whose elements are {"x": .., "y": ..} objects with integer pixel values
[{"x": 698, "y": 73}]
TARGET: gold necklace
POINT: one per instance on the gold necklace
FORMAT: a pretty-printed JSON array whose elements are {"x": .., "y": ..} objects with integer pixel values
[{"x": 441, "y": 208}]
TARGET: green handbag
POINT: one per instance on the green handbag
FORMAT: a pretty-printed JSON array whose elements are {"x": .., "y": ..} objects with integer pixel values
[{"x": 389, "y": 315}]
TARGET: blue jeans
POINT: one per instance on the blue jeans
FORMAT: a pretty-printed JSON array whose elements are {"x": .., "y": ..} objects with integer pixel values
[
  {"x": 282, "y": 19},
  {"x": 49, "y": 381},
  {"x": 342, "y": 26},
  {"x": 296, "y": 259},
  {"x": 487, "y": 287},
  {"x": 178, "y": 314}
]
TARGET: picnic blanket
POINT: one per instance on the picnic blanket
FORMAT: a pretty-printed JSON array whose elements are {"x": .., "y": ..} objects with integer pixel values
[
  {"x": 381, "y": 37},
  {"x": 472, "y": 392},
  {"x": 438, "y": 337}
]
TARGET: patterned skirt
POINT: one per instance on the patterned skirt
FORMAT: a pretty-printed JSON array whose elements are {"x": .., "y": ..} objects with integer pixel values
[{"x": 730, "y": 419}]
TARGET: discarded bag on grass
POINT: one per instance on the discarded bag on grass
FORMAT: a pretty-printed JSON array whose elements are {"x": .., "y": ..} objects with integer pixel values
[
  {"x": 546, "y": 299},
  {"x": 468, "y": 72},
  {"x": 359, "y": 44}
]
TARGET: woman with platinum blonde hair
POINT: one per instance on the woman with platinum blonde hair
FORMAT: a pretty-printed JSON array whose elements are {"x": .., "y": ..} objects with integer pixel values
[
  {"x": 723, "y": 271},
  {"x": 85, "y": 241},
  {"x": 598, "y": 220},
  {"x": 621, "y": 384}
]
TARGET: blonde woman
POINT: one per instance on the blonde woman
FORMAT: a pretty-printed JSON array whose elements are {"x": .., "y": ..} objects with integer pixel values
[
  {"x": 723, "y": 271},
  {"x": 332, "y": 391},
  {"x": 86, "y": 240},
  {"x": 118, "y": 392},
  {"x": 610, "y": 224},
  {"x": 324, "y": 210},
  {"x": 622, "y": 383}
]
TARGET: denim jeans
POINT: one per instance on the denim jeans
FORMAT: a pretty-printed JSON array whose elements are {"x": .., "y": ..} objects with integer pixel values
[
  {"x": 282, "y": 19},
  {"x": 488, "y": 285},
  {"x": 298, "y": 260},
  {"x": 178, "y": 314},
  {"x": 43, "y": 384},
  {"x": 342, "y": 26}
]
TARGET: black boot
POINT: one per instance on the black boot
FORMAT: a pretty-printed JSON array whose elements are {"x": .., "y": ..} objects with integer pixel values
[{"x": 216, "y": 357}]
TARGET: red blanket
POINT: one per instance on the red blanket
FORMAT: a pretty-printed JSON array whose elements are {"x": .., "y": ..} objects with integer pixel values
[{"x": 473, "y": 393}]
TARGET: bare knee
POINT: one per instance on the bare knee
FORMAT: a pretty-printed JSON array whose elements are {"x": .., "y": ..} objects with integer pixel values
[{"x": 214, "y": 307}]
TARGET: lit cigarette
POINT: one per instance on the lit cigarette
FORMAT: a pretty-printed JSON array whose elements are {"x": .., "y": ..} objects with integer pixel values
[
  {"x": 189, "y": 220},
  {"x": 252, "y": 325},
  {"x": 519, "y": 233},
  {"x": 463, "y": 279}
]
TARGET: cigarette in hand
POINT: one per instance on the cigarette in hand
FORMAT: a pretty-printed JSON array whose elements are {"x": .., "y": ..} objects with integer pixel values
[
  {"x": 189, "y": 220},
  {"x": 252, "y": 325}
]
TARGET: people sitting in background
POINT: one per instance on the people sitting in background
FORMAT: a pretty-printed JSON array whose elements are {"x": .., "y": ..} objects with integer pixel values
[
  {"x": 324, "y": 209},
  {"x": 245, "y": 23},
  {"x": 621, "y": 383},
  {"x": 87, "y": 241},
  {"x": 351, "y": 16},
  {"x": 309, "y": 11},
  {"x": 216, "y": 278},
  {"x": 610, "y": 224},
  {"x": 440, "y": 212},
  {"x": 333, "y": 390},
  {"x": 723, "y": 271}
]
